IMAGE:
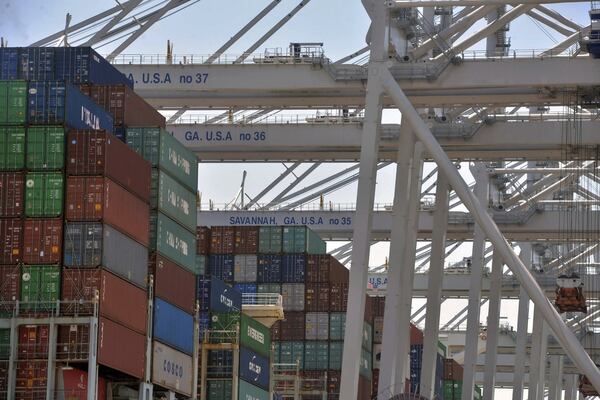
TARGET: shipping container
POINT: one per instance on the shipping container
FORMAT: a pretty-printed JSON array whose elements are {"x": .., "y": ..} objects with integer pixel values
[
  {"x": 13, "y": 102},
  {"x": 317, "y": 297},
  {"x": 203, "y": 292},
  {"x": 224, "y": 298},
  {"x": 60, "y": 103},
  {"x": 376, "y": 356},
  {"x": 225, "y": 322},
  {"x": 251, "y": 392},
  {"x": 300, "y": 239},
  {"x": 220, "y": 364},
  {"x": 171, "y": 369},
  {"x": 246, "y": 288},
  {"x": 176, "y": 201},
  {"x": 45, "y": 148},
  {"x": 377, "y": 329},
  {"x": 245, "y": 268},
  {"x": 246, "y": 240},
  {"x": 378, "y": 306},
  {"x": 36, "y": 63},
  {"x": 11, "y": 239},
  {"x": 222, "y": 240},
  {"x": 72, "y": 384},
  {"x": 10, "y": 277},
  {"x": 218, "y": 389},
  {"x": 174, "y": 242},
  {"x": 337, "y": 271},
  {"x": 268, "y": 288},
  {"x": 12, "y": 192},
  {"x": 269, "y": 268},
  {"x": 293, "y": 296},
  {"x": 173, "y": 326},
  {"x": 12, "y": 145},
  {"x": 40, "y": 288},
  {"x": 91, "y": 245},
  {"x": 416, "y": 335},
  {"x": 337, "y": 326},
  {"x": 221, "y": 266},
  {"x": 121, "y": 349},
  {"x": 201, "y": 263},
  {"x": 33, "y": 342},
  {"x": 317, "y": 326},
  {"x": 42, "y": 240},
  {"x": 164, "y": 151},
  {"x": 338, "y": 297},
  {"x": 364, "y": 388},
  {"x": 291, "y": 352},
  {"x": 334, "y": 379},
  {"x": 99, "y": 153},
  {"x": 9, "y": 63},
  {"x": 202, "y": 240},
  {"x": 127, "y": 108},
  {"x": 293, "y": 267},
  {"x": 276, "y": 331},
  {"x": 31, "y": 380},
  {"x": 316, "y": 355},
  {"x": 270, "y": 239},
  {"x": 317, "y": 268},
  {"x": 336, "y": 352},
  {"x": 292, "y": 326},
  {"x": 254, "y": 368},
  {"x": 173, "y": 283},
  {"x": 453, "y": 371},
  {"x": 255, "y": 336},
  {"x": 93, "y": 198},
  {"x": 73, "y": 342},
  {"x": 44, "y": 194}
]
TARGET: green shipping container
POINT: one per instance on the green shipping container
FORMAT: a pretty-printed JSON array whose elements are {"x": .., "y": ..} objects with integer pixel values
[
  {"x": 251, "y": 392},
  {"x": 4, "y": 344},
  {"x": 276, "y": 349},
  {"x": 176, "y": 201},
  {"x": 336, "y": 350},
  {"x": 45, "y": 148},
  {"x": 300, "y": 239},
  {"x": 154, "y": 188},
  {"x": 255, "y": 336},
  {"x": 173, "y": 241},
  {"x": 366, "y": 364},
  {"x": 200, "y": 265},
  {"x": 218, "y": 389},
  {"x": 292, "y": 352},
  {"x": 165, "y": 152},
  {"x": 224, "y": 322},
  {"x": 269, "y": 239},
  {"x": 40, "y": 287},
  {"x": 316, "y": 356},
  {"x": 13, "y": 102},
  {"x": 44, "y": 194},
  {"x": 452, "y": 390},
  {"x": 12, "y": 148},
  {"x": 337, "y": 325},
  {"x": 268, "y": 288}
]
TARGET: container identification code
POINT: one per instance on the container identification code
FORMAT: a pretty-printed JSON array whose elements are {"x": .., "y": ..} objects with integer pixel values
[{"x": 256, "y": 335}]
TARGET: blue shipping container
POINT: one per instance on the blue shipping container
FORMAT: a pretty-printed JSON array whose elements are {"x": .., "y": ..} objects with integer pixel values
[
  {"x": 268, "y": 268},
  {"x": 221, "y": 266},
  {"x": 220, "y": 364},
  {"x": 246, "y": 287},
  {"x": 254, "y": 368},
  {"x": 204, "y": 323},
  {"x": 293, "y": 267},
  {"x": 58, "y": 103},
  {"x": 203, "y": 292},
  {"x": 173, "y": 326},
  {"x": 9, "y": 63},
  {"x": 224, "y": 298},
  {"x": 416, "y": 364}
]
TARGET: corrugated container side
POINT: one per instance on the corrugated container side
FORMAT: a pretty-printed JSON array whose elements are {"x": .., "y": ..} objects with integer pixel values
[
  {"x": 251, "y": 392},
  {"x": 293, "y": 267},
  {"x": 246, "y": 240},
  {"x": 269, "y": 268},
  {"x": 71, "y": 384},
  {"x": 221, "y": 266},
  {"x": 270, "y": 239},
  {"x": 293, "y": 326},
  {"x": 337, "y": 271},
  {"x": 317, "y": 326},
  {"x": 220, "y": 363},
  {"x": 316, "y": 355},
  {"x": 276, "y": 331},
  {"x": 120, "y": 348},
  {"x": 202, "y": 240},
  {"x": 338, "y": 297},
  {"x": 13, "y": 102},
  {"x": 245, "y": 268},
  {"x": 453, "y": 370},
  {"x": 85, "y": 65},
  {"x": 337, "y": 326},
  {"x": 173, "y": 283},
  {"x": 334, "y": 379},
  {"x": 293, "y": 296},
  {"x": 44, "y": 194},
  {"x": 175, "y": 242},
  {"x": 99, "y": 153},
  {"x": 201, "y": 263},
  {"x": 11, "y": 237},
  {"x": 336, "y": 351},
  {"x": 45, "y": 148},
  {"x": 101, "y": 199},
  {"x": 246, "y": 288},
  {"x": 254, "y": 368},
  {"x": 255, "y": 336},
  {"x": 73, "y": 342},
  {"x": 33, "y": 342},
  {"x": 317, "y": 297},
  {"x": 292, "y": 352},
  {"x": 10, "y": 276},
  {"x": 12, "y": 191},
  {"x": 36, "y": 63},
  {"x": 224, "y": 298},
  {"x": 12, "y": 144},
  {"x": 222, "y": 240},
  {"x": 317, "y": 268},
  {"x": 176, "y": 201},
  {"x": 171, "y": 369},
  {"x": 9, "y": 63},
  {"x": 218, "y": 389},
  {"x": 268, "y": 288},
  {"x": 376, "y": 356},
  {"x": 40, "y": 288},
  {"x": 123, "y": 302},
  {"x": 31, "y": 380},
  {"x": 173, "y": 326}
]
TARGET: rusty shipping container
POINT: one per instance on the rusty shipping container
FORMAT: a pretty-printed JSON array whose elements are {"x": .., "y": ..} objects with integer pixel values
[
  {"x": 293, "y": 326},
  {"x": 173, "y": 283},
  {"x": 127, "y": 108},
  {"x": 73, "y": 342},
  {"x": 91, "y": 198},
  {"x": 245, "y": 240},
  {"x": 100, "y": 153},
  {"x": 42, "y": 241},
  {"x": 12, "y": 191},
  {"x": 222, "y": 240},
  {"x": 119, "y": 300},
  {"x": 338, "y": 296},
  {"x": 11, "y": 240},
  {"x": 316, "y": 298},
  {"x": 121, "y": 349},
  {"x": 337, "y": 271},
  {"x": 33, "y": 342},
  {"x": 317, "y": 267},
  {"x": 10, "y": 277},
  {"x": 202, "y": 240}
]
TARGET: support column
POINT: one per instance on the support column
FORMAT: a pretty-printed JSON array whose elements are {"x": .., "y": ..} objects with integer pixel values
[
  {"x": 556, "y": 377},
  {"x": 481, "y": 176},
  {"x": 434, "y": 291},
  {"x": 92, "y": 359},
  {"x": 51, "y": 362},
  {"x": 12, "y": 359},
  {"x": 367, "y": 178},
  {"x": 537, "y": 363},
  {"x": 493, "y": 326},
  {"x": 522, "y": 326},
  {"x": 395, "y": 285},
  {"x": 571, "y": 384}
]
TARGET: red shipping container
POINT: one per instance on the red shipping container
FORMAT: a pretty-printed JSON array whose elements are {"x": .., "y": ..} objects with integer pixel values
[
  {"x": 222, "y": 239},
  {"x": 202, "y": 240},
  {"x": 12, "y": 190},
  {"x": 369, "y": 309},
  {"x": 121, "y": 348},
  {"x": 364, "y": 388},
  {"x": 73, "y": 342},
  {"x": 31, "y": 380},
  {"x": 316, "y": 298},
  {"x": 378, "y": 306},
  {"x": 453, "y": 371},
  {"x": 72, "y": 383},
  {"x": 11, "y": 241},
  {"x": 33, "y": 342},
  {"x": 119, "y": 300},
  {"x": 10, "y": 278},
  {"x": 173, "y": 283},
  {"x": 293, "y": 326},
  {"x": 416, "y": 335},
  {"x": 100, "y": 199},
  {"x": 246, "y": 240},
  {"x": 338, "y": 297},
  {"x": 334, "y": 379},
  {"x": 276, "y": 331},
  {"x": 42, "y": 242},
  {"x": 337, "y": 271},
  {"x": 100, "y": 153},
  {"x": 124, "y": 104},
  {"x": 317, "y": 267}
]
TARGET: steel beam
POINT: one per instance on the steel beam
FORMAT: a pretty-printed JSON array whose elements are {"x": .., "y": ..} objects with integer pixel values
[
  {"x": 493, "y": 326},
  {"x": 556, "y": 377},
  {"x": 125, "y": 10}
]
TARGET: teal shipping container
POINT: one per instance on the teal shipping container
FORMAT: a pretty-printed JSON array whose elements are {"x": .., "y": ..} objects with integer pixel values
[
  {"x": 269, "y": 239},
  {"x": 173, "y": 241},
  {"x": 176, "y": 201},
  {"x": 300, "y": 239},
  {"x": 316, "y": 355}
]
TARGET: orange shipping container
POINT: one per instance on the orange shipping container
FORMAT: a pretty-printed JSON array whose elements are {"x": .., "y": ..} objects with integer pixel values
[{"x": 121, "y": 349}]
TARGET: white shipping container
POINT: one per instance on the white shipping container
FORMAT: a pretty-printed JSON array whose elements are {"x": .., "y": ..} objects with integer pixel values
[
  {"x": 293, "y": 296},
  {"x": 317, "y": 326},
  {"x": 171, "y": 369},
  {"x": 244, "y": 268}
]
